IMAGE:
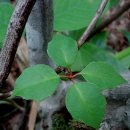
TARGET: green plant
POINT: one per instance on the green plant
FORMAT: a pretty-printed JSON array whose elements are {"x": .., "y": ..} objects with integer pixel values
[
  {"x": 94, "y": 64},
  {"x": 6, "y": 10},
  {"x": 83, "y": 98}
]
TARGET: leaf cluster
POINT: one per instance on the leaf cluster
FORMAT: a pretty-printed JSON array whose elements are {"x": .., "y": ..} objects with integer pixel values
[
  {"x": 83, "y": 98},
  {"x": 98, "y": 68}
]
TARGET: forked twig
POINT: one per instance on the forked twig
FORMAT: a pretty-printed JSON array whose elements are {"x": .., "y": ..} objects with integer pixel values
[
  {"x": 91, "y": 26},
  {"x": 118, "y": 11}
]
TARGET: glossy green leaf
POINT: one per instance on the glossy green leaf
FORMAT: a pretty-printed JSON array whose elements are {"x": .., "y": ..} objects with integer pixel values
[
  {"x": 73, "y": 14},
  {"x": 6, "y": 10},
  {"x": 89, "y": 53},
  {"x": 37, "y": 82},
  {"x": 62, "y": 50},
  {"x": 102, "y": 74},
  {"x": 86, "y": 104}
]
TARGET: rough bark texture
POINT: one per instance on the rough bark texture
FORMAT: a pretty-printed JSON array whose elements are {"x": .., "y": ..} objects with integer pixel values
[
  {"x": 13, "y": 36},
  {"x": 118, "y": 107},
  {"x": 39, "y": 30}
]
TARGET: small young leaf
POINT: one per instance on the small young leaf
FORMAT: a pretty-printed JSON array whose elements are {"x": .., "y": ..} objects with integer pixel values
[
  {"x": 62, "y": 50},
  {"x": 102, "y": 74},
  {"x": 37, "y": 82},
  {"x": 85, "y": 103},
  {"x": 73, "y": 14},
  {"x": 88, "y": 53}
]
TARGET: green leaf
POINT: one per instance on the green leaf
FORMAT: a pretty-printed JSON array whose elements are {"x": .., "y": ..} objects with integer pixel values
[
  {"x": 123, "y": 54},
  {"x": 102, "y": 74},
  {"x": 86, "y": 104},
  {"x": 108, "y": 57},
  {"x": 73, "y": 14},
  {"x": 76, "y": 34},
  {"x": 124, "y": 57},
  {"x": 62, "y": 50},
  {"x": 89, "y": 53},
  {"x": 6, "y": 10},
  {"x": 126, "y": 62},
  {"x": 100, "y": 39},
  {"x": 37, "y": 82},
  {"x": 110, "y": 4},
  {"x": 4, "y": 1},
  {"x": 84, "y": 57},
  {"x": 113, "y": 3},
  {"x": 127, "y": 35}
]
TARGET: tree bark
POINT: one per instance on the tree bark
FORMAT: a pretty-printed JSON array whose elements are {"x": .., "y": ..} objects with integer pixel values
[
  {"x": 39, "y": 30},
  {"x": 118, "y": 107},
  {"x": 15, "y": 29}
]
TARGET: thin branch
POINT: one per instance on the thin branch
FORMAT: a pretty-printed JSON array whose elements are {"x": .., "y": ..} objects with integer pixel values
[
  {"x": 5, "y": 95},
  {"x": 12, "y": 102},
  {"x": 119, "y": 10},
  {"x": 32, "y": 115},
  {"x": 91, "y": 26},
  {"x": 14, "y": 32}
]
